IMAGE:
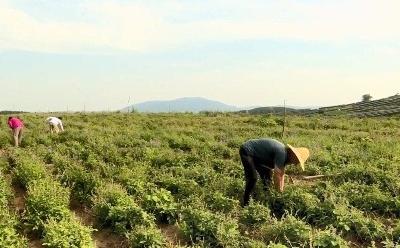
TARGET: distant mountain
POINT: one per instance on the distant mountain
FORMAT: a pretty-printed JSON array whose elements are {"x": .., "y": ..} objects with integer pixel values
[{"x": 186, "y": 104}]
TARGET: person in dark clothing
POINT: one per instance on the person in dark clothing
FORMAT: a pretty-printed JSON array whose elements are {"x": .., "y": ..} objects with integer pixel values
[{"x": 268, "y": 157}]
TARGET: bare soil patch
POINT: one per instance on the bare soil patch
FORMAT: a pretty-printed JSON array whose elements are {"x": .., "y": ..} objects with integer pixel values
[
  {"x": 18, "y": 203},
  {"x": 103, "y": 238},
  {"x": 172, "y": 235}
]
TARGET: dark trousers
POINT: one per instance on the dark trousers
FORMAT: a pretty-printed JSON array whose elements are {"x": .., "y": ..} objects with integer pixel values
[{"x": 252, "y": 166}]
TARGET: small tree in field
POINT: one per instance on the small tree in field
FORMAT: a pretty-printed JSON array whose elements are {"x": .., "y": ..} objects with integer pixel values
[{"x": 366, "y": 98}]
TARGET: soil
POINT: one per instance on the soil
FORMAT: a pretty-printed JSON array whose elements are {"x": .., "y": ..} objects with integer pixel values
[
  {"x": 172, "y": 235},
  {"x": 37, "y": 243},
  {"x": 103, "y": 238},
  {"x": 18, "y": 203}
]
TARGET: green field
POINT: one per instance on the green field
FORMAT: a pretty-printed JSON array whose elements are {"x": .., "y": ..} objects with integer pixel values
[{"x": 175, "y": 180}]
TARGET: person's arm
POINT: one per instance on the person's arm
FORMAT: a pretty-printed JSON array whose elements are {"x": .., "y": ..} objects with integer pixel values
[
  {"x": 10, "y": 123},
  {"x": 279, "y": 178},
  {"x": 279, "y": 169}
]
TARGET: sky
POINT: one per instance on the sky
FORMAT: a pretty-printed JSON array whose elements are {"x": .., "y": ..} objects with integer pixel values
[{"x": 98, "y": 55}]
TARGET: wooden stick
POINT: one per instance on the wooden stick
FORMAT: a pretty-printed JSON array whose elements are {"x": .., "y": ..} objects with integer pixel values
[
  {"x": 313, "y": 177},
  {"x": 284, "y": 119}
]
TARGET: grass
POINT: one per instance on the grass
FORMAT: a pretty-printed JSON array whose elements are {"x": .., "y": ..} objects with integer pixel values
[{"x": 184, "y": 169}]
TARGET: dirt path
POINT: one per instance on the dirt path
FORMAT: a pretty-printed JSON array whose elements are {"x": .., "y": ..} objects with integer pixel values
[
  {"x": 172, "y": 235},
  {"x": 103, "y": 238},
  {"x": 18, "y": 204}
]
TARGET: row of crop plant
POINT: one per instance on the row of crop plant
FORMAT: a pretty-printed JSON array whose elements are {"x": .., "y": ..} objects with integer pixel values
[
  {"x": 47, "y": 211},
  {"x": 9, "y": 223},
  {"x": 110, "y": 203}
]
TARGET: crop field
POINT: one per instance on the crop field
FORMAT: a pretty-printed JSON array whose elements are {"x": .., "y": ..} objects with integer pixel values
[{"x": 176, "y": 180}]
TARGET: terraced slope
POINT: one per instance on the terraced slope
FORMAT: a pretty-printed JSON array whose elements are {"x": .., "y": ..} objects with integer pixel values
[{"x": 382, "y": 107}]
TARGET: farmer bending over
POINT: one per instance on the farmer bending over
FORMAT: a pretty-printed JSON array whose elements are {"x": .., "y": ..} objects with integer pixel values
[
  {"x": 54, "y": 124},
  {"x": 265, "y": 155},
  {"x": 17, "y": 126}
]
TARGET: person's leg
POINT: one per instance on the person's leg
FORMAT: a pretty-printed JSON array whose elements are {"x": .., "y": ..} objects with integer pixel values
[
  {"x": 250, "y": 175},
  {"x": 51, "y": 127},
  {"x": 15, "y": 132},
  {"x": 265, "y": 174},
  {"x": 21, "y": 131}
]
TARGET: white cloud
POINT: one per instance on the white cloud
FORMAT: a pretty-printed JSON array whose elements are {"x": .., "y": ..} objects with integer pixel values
[{"x": 146, "y": 27}]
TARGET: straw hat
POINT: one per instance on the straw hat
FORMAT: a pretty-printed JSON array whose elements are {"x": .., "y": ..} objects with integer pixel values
[{"x": 301, "y": 154}]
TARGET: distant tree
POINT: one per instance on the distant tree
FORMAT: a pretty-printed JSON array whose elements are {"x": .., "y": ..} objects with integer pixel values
[{"x": 366, "y": 98}]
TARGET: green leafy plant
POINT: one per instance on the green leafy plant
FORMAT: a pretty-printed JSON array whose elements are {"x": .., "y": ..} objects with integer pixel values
[
  {"x": 289, "y": 231},
  {"x": 255, "y": 214},
  {"x": 114, "y": 207},
  {"x": 46, "y": 200},
  {"x": 161, "y": 204},
  {"x": 9, "y": 236},
  {"x": 146, "y": 237},
  {"x": 218, "y": 202},
  {"x": 328, "y": 238},
  {"x": 213, "y": 229},
  {"x": 67, "y": 233},
  {"x": 82, "y": 184},
  {"x": 27, "y": 169}
]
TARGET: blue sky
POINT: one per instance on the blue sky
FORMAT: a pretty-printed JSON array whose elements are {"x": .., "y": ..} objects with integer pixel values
[{"x": 67, "y": 55}]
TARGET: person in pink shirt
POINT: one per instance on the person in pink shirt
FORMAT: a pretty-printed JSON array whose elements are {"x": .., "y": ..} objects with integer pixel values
[{"x": 17, "y": 126}]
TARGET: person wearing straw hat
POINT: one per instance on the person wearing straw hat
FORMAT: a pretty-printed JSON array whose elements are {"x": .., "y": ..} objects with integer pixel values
[{"x": 268, "y": 157}]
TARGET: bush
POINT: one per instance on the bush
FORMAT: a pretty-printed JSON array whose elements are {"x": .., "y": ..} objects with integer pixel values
[
  {"x": 289, "y": 231},
  {"x": 255, "y": 214},
  {"x": 249, "y": 243},
  {"x": 28, "y": 169},
  {"x": 396, "y": 233},
  {"x": 220, "y": 203},
  {"x": 181, "y": 188},
  {"x": 4, "y": 165},
  {"x": 370, "y": 176},
  {"x": 82, "y": 184},
  {"x": 5, "y": 192},
  {"x": 46, "y": 200},
  {"x": 370, "y": 198},
  {"x": 67, "y": 233},
  {"x": 9, "y": 236},
  {"x": 328, "y": 239},
  {"x": 294, "y": 200},
  {"x": 182, "y": 143},
  {"x": 5, "y": 139},
  {"x": 215, "y": 230},
  {"x": 161, "y": 203},
  {"x": 146, "y": 237},
  {"x": 353, "y": 221},
  {"x": 114, "y": 207}
]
